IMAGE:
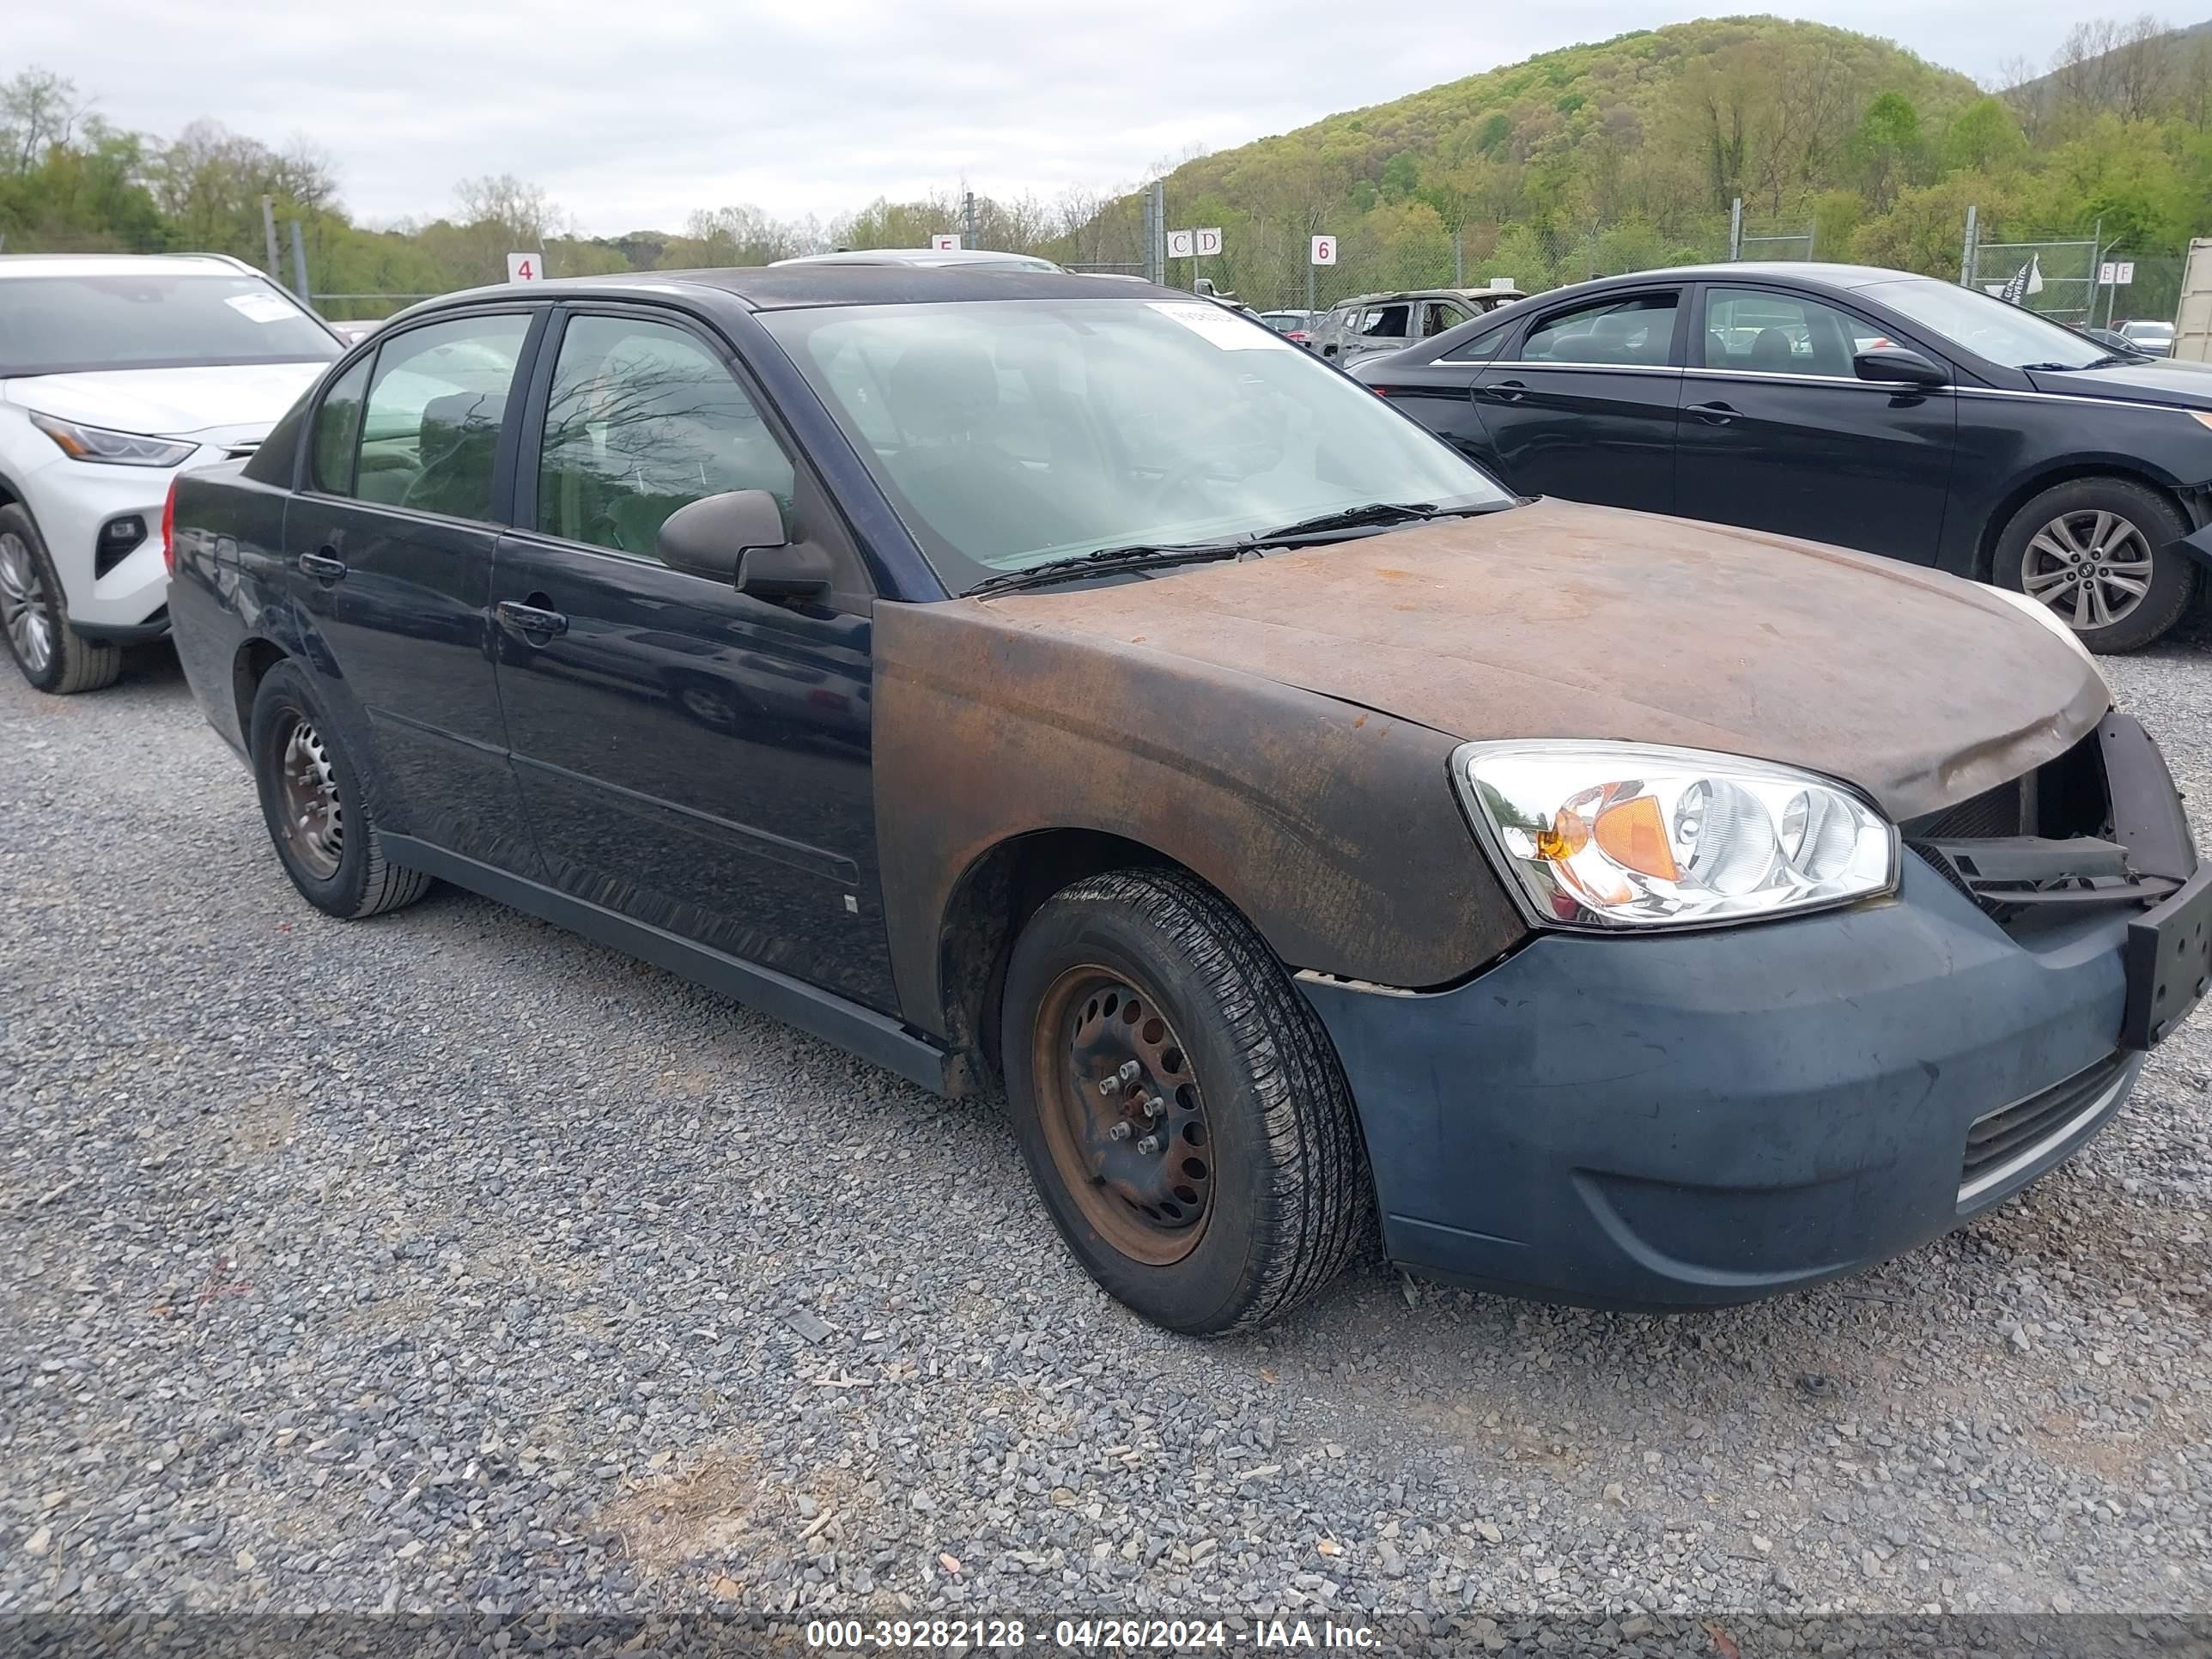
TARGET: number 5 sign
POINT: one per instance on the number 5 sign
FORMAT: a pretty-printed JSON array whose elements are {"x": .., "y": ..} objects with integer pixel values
[
  {"x": 1324, "y": 250},
  {"x": 525, "y": 268}
]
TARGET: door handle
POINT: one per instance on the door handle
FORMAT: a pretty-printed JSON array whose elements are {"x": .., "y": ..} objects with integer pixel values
[
  {"x": 1504, "y": 392},
  {"x": 1713, "y": 414},
  {"x": 324, "y": 565},
  {"x": 532, "y": 620}
]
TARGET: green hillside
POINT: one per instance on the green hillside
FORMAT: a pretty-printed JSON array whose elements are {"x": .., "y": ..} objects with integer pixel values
[{"x": 1629, "y": 153}]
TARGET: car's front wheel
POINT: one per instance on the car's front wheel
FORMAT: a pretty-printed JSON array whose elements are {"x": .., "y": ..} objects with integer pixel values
[
  {"x": 34, "y": 616},
  {"x": 312, "y": 798},
  {"x": 2099, "y": 553},
  {"x": 1178, "y": 1103}
]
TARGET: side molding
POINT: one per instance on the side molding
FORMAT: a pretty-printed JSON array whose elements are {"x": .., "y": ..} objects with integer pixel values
[{"x": 874, "y": 1037}]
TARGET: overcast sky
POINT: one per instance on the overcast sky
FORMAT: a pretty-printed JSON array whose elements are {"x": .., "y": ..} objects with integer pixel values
[{"x": 632, "y": 115}]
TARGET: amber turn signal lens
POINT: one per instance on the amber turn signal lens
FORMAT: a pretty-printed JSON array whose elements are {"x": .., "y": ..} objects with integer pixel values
[{"x": 1631, "y": 834}]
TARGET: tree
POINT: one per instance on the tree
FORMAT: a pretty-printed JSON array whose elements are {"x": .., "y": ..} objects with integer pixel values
[
  {"x": 1887, "y": 146},
  {"x": 1984, "y": 138},
  {"x": 38, "y": 112}
]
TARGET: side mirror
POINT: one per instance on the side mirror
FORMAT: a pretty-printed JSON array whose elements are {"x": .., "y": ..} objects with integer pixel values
[
  {"x": 1896, "y": 365},
  {"x": 711, "y": 535},
  {"x": 784, "y": 571}
]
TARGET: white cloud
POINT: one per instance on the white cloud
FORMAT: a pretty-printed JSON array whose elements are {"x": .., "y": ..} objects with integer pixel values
[{"x": 632, "y": 116}]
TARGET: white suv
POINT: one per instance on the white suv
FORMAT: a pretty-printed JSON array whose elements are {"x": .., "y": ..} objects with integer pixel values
[{"x": 117, "y": 371}]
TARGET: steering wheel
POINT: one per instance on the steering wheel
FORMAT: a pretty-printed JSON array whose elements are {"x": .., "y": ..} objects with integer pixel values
[{"x": 1230, "y": 463}]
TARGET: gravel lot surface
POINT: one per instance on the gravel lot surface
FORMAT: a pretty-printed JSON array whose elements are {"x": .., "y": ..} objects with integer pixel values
[{"x": 449, "y": 1259}]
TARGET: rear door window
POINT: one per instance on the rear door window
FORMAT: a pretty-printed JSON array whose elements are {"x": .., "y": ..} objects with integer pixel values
[
  {"x": 1631, "y": 331},
  {"x": 430, "y": 431}
]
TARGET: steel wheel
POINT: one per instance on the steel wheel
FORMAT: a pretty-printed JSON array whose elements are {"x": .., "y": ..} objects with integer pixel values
[
  {"x": 314, "y": 821},
  {"x": 1122, "y": 1115},
  {"x": 23, "y": 605},
  {"x": 2093, "y": 567}
]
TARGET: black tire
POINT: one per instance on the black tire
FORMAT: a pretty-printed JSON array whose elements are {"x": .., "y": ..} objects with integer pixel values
[
  {"x": 355, "y": 879},
  {"x": 71, "y": 662},
  {"x": 1290, "y": 1194},
  {"x": 2026, "y": 553}
]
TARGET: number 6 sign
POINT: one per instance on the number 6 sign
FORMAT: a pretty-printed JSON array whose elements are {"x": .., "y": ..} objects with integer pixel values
[{"x": 1324, "y": 250}]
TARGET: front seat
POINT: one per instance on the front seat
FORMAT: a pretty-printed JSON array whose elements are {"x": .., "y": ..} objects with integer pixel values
[
  {"x": 1771, "y": 353},
  {"x": 943, "y": 398}
]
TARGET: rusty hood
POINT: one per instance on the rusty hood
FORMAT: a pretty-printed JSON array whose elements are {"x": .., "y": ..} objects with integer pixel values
[{"x": 1562, "y": 620}]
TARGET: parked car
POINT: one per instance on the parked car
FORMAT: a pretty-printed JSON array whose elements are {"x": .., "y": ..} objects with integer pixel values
[
  {"x": 2111, "y": 339},
  {"x": 1896, "y": 414},
  {"x": 1294, "y": 326},
  {"x": 1628, "y": 910},
  {"x": 1370, "y": 324},
  {"x": 116, "y": 371},
  {"x": 2152, "y": 339},
  {"x": 924, "y": 258}
]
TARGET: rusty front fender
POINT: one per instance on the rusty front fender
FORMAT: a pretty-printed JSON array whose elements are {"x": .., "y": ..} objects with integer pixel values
[{"x": 1334, "y": 828}]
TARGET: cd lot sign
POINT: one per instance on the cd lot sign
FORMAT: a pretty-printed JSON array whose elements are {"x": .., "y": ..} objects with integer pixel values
[{"x": 1194, "y": 244}]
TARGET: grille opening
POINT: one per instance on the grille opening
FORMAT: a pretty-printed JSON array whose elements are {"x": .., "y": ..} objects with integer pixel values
[{"x": 1996, "y": 1140}]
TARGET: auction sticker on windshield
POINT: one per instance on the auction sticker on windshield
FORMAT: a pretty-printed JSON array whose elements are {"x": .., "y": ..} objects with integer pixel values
[
  {"x": 1221, "y": 328},
  {"x": 261, "y": 308}
]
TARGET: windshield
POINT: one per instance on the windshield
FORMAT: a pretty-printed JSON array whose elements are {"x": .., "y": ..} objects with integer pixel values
[
  {"x": 1010, "y": 433},
  {"x": 1987, "y": 326},
  {"x": 130, "y": 319}
]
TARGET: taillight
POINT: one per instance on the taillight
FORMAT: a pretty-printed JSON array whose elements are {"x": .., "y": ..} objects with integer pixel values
[
  {"x": 1380, "y": 390},
  {"x": 169, "y": 529}
]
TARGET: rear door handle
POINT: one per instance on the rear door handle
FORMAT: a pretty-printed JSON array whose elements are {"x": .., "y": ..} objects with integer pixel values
[
  {"x": 1713, "y": 414},
  {"x": 324, "y": 565},
  {"x": 530, "y": 619},
  {"x": 1504, "y": 392}
]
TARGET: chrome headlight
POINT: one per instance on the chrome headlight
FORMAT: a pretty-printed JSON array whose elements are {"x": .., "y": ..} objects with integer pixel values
[
  {"x": 1608, "y": 835},
  {"x": 97, "y": 443}
]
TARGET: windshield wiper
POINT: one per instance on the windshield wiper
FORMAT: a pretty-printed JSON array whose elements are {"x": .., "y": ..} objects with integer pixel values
[
  {"x": 1077, "y": 565},
  {"x": 2110, "y": 360},
  {"x": 1374, "y": 514}
]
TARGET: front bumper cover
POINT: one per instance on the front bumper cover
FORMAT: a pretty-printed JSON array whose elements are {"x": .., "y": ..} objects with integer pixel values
[{"x": 1700, "y": 1119}]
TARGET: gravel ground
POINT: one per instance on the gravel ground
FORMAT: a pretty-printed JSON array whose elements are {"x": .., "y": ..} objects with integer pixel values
[{"x": 447, "y": 1259}]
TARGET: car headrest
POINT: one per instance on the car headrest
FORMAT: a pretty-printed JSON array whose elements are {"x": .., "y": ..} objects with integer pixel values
[
  {"x": 462, "y": 413},
  {"x": 940, "y": 391}
]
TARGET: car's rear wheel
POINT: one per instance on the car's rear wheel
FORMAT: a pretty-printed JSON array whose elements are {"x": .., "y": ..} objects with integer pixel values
[
  {"x": 1178, "y": 1103},
  {"x": 34, "y": 616},
  {"x": 2099, "y": 552},
  {"x": 311, "y": 797}
]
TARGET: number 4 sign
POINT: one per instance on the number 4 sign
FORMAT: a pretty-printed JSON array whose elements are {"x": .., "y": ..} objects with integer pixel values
[
  {"x": 525, "y": 268},
  {"x": 1324, "y": 250}
]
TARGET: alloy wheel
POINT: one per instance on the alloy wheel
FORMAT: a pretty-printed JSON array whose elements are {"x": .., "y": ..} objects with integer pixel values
[
  {"x": 314, "y": 819},
  {"x": 23, "y": 610},
  {"x": 1123, "y": 1115},
  {"x": 2092, "y": 567}
]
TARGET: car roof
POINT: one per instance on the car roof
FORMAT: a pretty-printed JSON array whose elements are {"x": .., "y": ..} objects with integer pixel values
[
  {"x": 1391, "y": 296},
  {"x": 151, "y": 264},
  {"x": 913, "y": 256},
  {"x": 828, "y": 283}
]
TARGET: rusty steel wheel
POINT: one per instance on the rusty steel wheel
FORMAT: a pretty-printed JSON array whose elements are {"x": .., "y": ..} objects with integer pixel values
[
  {"x": 1177, "y": 1103},
  {"x": 1123, "y": 1113}
]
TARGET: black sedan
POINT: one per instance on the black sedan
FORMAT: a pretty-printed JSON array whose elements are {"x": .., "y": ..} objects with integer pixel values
[{"x": 1885, "y": 411}]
